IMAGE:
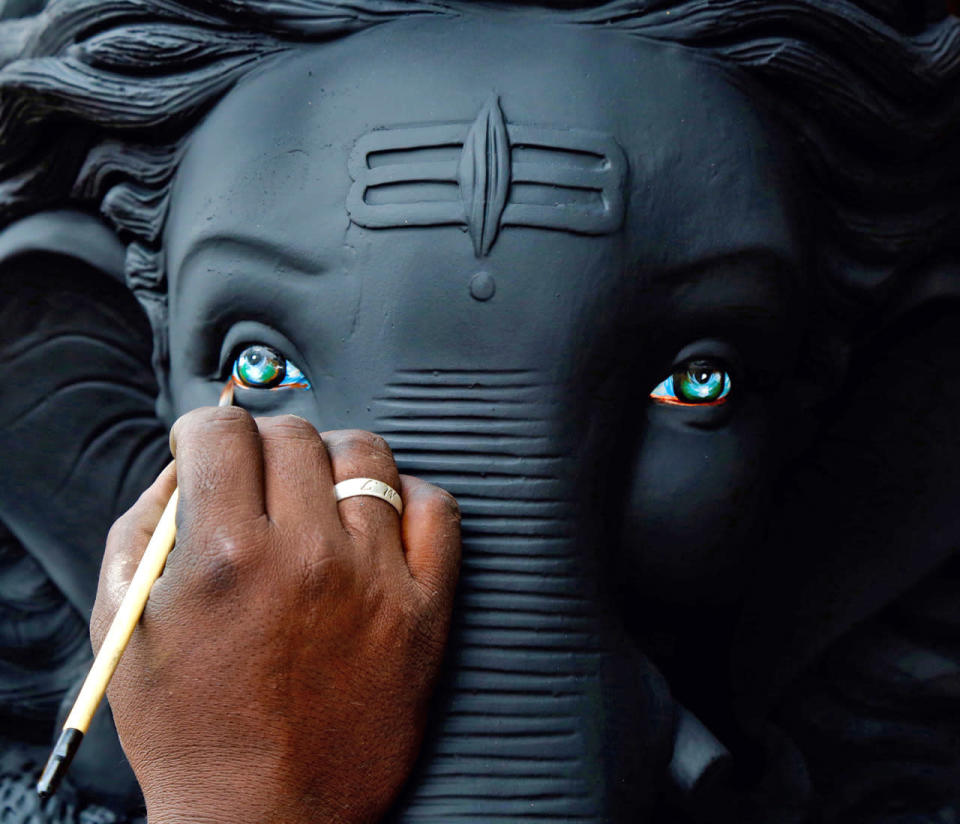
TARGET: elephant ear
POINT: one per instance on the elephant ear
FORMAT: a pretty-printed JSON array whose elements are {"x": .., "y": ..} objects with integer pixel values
[
  {"x": 873, "y": 507},
  {"x": 80, "y": 441},
  {"x": 81, "y": 438}
]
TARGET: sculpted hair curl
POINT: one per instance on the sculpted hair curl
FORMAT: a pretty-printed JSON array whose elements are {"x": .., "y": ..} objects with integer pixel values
[{"x": 97, "y": 99}]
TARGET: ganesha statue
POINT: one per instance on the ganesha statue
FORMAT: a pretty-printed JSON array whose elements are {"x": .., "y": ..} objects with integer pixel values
[{"x": 665, "y": 292}]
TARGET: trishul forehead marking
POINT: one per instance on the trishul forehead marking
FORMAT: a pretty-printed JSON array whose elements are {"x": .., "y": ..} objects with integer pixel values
[{"x": 487, "y": 175}]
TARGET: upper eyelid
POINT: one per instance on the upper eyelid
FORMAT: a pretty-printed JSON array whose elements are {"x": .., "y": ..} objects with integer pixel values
[
  {"x": 717, "y": 350},
  {"x": 249, "y": 332}
]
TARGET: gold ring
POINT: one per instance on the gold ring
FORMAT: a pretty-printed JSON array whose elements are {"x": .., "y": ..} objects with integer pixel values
[{"x": 352, "y": 487}]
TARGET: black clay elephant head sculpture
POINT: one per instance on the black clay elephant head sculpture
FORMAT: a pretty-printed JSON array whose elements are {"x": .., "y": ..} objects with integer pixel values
[{"x": 663, "y": 292}]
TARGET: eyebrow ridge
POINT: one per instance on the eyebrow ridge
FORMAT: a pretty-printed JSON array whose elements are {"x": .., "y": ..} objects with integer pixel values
[
  {"x": 257, "y": 250},
  {"x": 759, "y": 259}
]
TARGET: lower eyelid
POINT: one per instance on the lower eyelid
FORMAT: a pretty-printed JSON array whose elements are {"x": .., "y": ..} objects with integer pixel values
[
  {"x": 675, "y": 402},
  {"x": 302, "y": 384},
  {"x": 299, "y": 383}
]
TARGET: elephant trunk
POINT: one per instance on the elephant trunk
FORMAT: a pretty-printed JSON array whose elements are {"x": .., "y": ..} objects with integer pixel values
[{"x": 537, "y": 698}]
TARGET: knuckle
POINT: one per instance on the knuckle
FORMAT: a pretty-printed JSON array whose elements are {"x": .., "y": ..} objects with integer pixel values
[
  {"x": 224, "y": 420},
  {"x": 362, "y": 441},
  {"x": 116, "y": 536},
  {"x": 219, "y": 569},
  {"x": 225, "y": 555},
  {"x": 287, "y": 426},
  {"x": 206, "y": 421},
  {"x": 446, "y": 503},
  {"x": 206, "y": 414},
  {"x": 125, "y": 536}
]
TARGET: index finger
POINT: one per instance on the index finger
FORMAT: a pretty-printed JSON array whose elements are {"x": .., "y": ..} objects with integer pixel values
[{"x": 219, "y": 466}]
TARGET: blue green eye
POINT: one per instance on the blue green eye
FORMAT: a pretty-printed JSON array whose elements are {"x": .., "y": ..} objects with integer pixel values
[
  {"x": 696, "y": 383},
  {"x": 263, "y": 367}
]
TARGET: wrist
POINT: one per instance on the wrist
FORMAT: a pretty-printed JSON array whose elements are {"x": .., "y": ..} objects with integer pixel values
[
  {"x": 260, "y": 810},
  {"x": 217, "y": 799},
  {"x": 257, "y": 803}
]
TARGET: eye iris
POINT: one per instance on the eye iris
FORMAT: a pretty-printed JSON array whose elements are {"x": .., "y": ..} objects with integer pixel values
[
  {"x": 699, "y": 383},
  {"x": 260, "y": 366}
]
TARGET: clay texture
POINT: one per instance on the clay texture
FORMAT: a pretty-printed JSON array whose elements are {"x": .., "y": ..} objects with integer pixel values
[{"x": 492, "y": 233}]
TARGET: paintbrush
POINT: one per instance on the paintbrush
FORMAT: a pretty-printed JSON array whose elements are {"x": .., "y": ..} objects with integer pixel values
[{"x": 118, "y": 636}]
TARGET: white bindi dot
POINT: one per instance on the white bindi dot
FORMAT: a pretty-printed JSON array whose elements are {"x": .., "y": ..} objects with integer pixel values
[{"x": 482, "y": 286}]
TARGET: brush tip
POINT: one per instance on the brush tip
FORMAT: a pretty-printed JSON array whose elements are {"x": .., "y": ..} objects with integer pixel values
[{"x": 226, "y": 394}]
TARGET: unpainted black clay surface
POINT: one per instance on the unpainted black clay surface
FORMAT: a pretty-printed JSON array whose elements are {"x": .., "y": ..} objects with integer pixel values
[{"x": 491, "y": 233}]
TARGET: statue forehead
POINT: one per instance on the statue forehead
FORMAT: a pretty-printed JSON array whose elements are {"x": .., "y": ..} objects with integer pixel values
[{"x": 280, "y": 153}]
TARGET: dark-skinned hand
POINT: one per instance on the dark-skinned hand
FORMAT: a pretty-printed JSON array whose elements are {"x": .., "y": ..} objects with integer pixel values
[{"x": 283, "y": 666}]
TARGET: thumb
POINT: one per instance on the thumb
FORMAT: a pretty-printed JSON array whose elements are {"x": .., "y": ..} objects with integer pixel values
[{"x": 127, "y": 540}]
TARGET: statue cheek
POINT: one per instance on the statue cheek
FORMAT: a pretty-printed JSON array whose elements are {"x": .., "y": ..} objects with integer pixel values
[{"x": 697, "y": 499}]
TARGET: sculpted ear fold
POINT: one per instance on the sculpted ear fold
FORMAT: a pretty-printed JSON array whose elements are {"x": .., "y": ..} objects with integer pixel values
[
  {"x": 871, "y": 508},
  {"x": 849, "y": 639},
  {"x": 86, "y": 239},
  {"x": 80, "y": 441},
  {"x": 77, "y": 404},
  {"x": 68, "y": 233}
]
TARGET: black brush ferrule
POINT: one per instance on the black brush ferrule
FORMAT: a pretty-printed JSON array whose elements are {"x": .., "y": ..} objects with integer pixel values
[{"x": 59, "y": 762}]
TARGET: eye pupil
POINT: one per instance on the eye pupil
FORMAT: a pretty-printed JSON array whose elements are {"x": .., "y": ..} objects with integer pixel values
[
  {"x": 260, "y": 366},
  {"x": 700, "y": 383}
]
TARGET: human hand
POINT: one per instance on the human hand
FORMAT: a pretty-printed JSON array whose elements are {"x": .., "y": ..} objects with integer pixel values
[{"x": 284, "y": 662}]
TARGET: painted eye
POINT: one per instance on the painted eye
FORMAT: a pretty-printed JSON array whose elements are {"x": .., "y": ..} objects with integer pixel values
[
  {"x": 263, "y": 367},
  {"x": 695, "y": 383}
]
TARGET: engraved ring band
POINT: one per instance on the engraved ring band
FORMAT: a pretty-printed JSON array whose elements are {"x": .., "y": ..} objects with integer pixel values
[{"x": 371, "y": 487}]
